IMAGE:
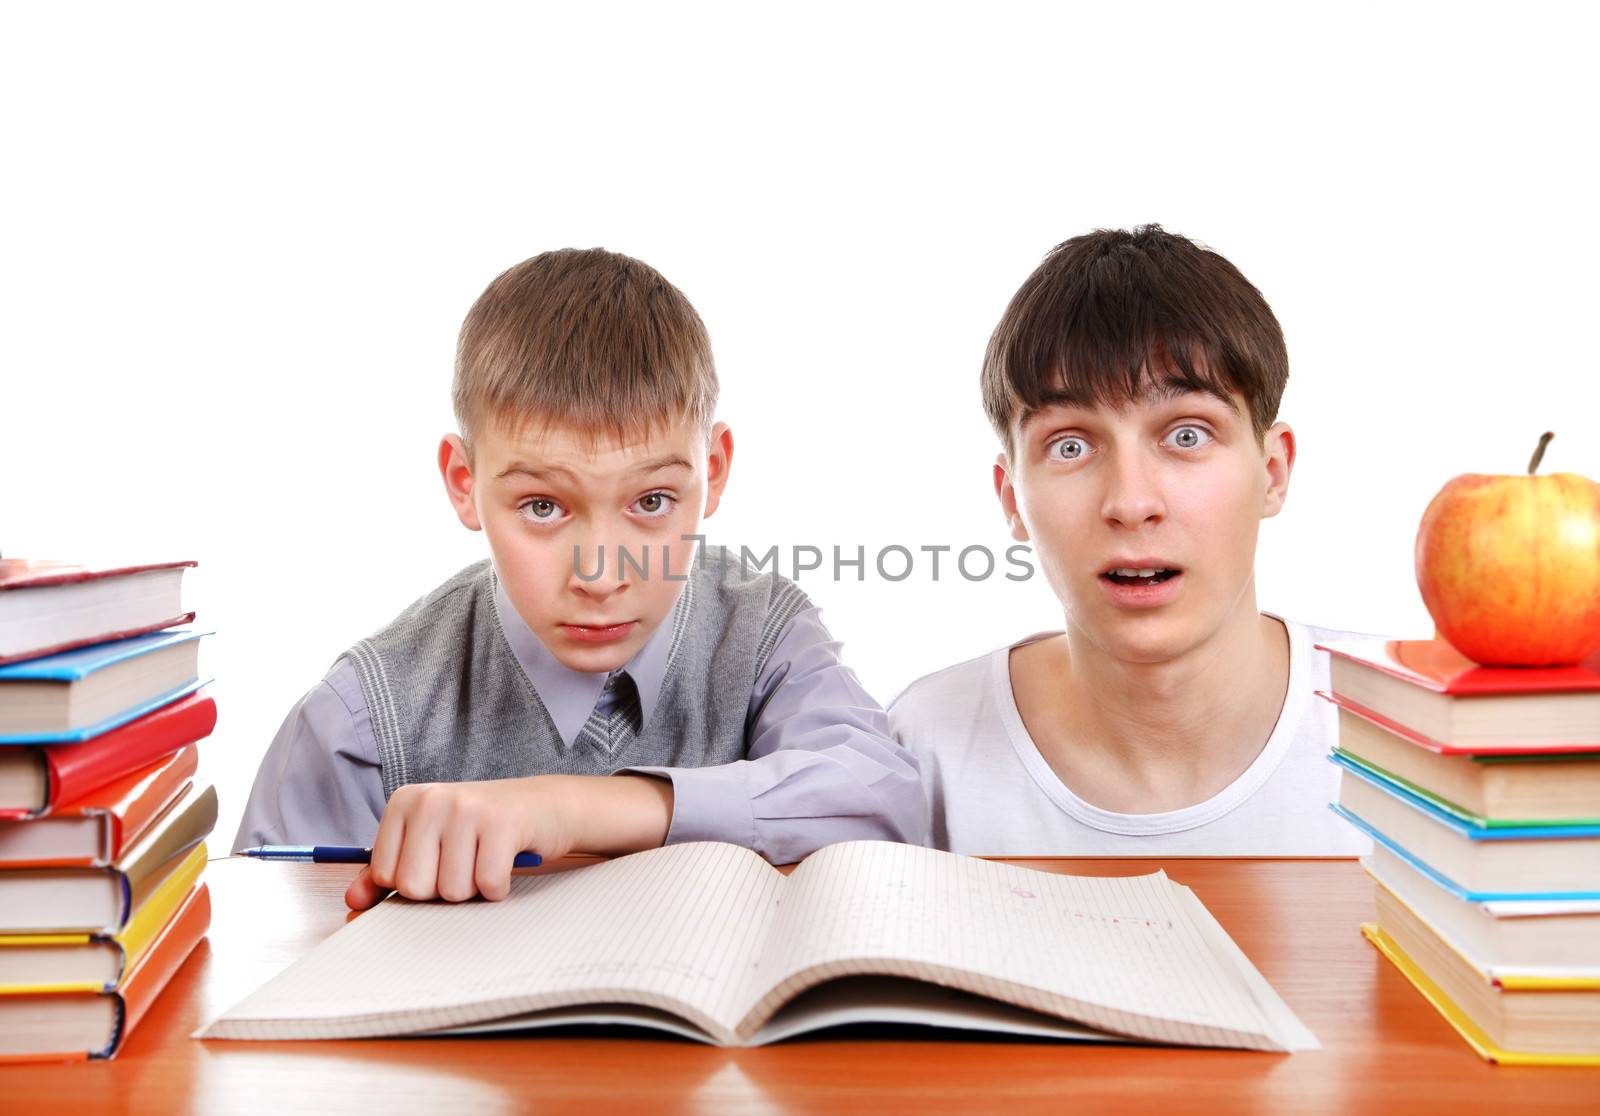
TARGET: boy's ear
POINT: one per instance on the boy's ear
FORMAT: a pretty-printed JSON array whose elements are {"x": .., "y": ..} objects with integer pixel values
[
  {"x": 455, "y": 466},
  {"x": 1279, "y": 449},
  {"x": 1008, "y": 498},
  {"x": 719, "y": 459}
]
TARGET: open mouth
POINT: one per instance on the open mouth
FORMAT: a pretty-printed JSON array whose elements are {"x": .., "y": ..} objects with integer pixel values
[{"x": 1130, "y": 575}]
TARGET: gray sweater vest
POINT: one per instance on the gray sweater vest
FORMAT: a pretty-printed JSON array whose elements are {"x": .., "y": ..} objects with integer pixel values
[{"x": 449, "y": 701}]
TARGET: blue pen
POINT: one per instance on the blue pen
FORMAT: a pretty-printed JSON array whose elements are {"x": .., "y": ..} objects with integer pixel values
[{"x": 345, "y": 854}]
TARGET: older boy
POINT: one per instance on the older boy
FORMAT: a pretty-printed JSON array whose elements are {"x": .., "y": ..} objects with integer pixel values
[
  {"x": 493, "y": 711},
  {"x": 1134, "y": 381}
]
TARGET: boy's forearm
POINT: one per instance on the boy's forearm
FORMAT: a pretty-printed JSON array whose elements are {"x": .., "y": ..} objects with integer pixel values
[{"x": 617, "y": 813}]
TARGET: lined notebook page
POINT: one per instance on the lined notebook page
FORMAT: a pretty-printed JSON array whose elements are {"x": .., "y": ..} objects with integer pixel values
[
  {"x": 673, "y": 928},
  {"x": 1121, "y": 954}
]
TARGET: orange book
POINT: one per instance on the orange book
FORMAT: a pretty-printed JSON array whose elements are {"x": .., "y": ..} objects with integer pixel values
[
  {"x": 102, "y": 900},
  {"x": 95, "y": 830},
  {"x": 79, "y": 1026}
]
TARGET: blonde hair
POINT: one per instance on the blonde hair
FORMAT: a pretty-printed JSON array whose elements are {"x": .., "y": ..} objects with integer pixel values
[{"x": 585, "y": 338}]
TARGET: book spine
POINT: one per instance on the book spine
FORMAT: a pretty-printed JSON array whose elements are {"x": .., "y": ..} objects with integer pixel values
[
  {"x": 166, "y": 782},
  {"x": 144, "y": 928},
  {"x": 157, "y": 854},
  {"x": 155, "y": 970}
]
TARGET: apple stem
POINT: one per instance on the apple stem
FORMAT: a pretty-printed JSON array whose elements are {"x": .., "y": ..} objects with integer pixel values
[{"x": 1538, "y": 454}]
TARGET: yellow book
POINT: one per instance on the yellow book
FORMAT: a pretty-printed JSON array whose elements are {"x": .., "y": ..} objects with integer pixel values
[
  {"x": 34, "y": 964},
  {"x": 1557, "y": 1015},
  {"x": 1465, "y": 1027}
]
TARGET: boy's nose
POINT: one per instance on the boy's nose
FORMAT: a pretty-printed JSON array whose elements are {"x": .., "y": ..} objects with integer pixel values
[
  {"x": 597, "y": 571},
  {"x": 1133, "y": 492}
]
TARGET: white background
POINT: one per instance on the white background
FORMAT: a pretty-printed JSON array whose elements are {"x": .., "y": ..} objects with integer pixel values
[{"x": 238, "y": 245}]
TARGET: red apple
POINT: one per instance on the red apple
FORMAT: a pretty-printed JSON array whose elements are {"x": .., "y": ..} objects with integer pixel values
[{"x": 1509, "y": 567}]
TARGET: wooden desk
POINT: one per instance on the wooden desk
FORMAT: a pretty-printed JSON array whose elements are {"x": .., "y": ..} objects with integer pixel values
[{"x": 1384, "y": 1049}]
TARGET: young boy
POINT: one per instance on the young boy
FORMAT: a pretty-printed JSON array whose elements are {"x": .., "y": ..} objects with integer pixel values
[
  {"x": 1134, "y": 381},
  {"x": 491, "y": 715}
]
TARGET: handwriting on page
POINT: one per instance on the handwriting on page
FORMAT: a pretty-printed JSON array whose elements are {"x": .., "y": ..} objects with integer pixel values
[{"x": 1093, "y": 916}]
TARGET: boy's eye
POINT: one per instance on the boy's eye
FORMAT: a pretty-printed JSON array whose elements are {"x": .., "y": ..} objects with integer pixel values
[
  {"x": 1190, "y": 437},
  {"x": 654, "y": 503},
  {"x": 1068, "y": 449},
  {"x": 542, "y": 511}
]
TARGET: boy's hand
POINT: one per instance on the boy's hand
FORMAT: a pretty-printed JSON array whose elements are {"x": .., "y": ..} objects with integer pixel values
[{"x": 457, "y": 840}]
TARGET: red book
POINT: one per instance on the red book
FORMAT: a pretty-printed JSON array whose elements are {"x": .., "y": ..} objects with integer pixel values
[
  {"x": 48, "y": 607},
  {"x": 1428, "y": 692},
  {"x": 1434, "y": 665},
  {"x": 35, "y": 781},
  {"x": 96, "y": 1025},
  {"x": 95, "y": 831}
]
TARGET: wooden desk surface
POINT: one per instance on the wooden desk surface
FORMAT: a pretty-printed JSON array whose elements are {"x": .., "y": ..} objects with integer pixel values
[{"x": 1384, "y": 1049}]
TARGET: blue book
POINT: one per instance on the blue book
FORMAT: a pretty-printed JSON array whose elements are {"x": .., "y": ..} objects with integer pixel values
[
  {"x": 1473, "y": 862},
  {"x": 82, "y": 693}
]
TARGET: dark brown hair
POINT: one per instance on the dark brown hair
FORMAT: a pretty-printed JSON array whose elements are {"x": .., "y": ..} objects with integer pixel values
[
  {"x": 1111, "y": 313},
  {"x": 586, "y": 338}
]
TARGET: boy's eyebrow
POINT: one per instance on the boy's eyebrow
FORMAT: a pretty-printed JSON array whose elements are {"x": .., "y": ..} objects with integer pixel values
[
  {"x": 672, "y": 461},
  {"x": 535, "y": 471},
  {"x": 540, "y": 472}
]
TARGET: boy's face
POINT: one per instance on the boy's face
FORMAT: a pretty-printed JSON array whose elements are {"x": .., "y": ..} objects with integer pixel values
[
  {"x": 549, "y": 499},
  {"x": 1176, "y": 482}
]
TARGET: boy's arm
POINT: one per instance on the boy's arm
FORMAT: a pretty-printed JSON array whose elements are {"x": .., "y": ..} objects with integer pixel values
[
  {"x": 319, "y": 782},
  {"x": 822, "y": 767}
]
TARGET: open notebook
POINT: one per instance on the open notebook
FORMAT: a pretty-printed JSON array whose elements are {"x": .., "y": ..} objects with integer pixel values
[{"x": 711, "y": 942}]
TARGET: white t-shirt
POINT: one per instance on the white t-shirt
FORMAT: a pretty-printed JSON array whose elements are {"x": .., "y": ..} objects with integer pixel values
[{"x": 992, "y": 793}]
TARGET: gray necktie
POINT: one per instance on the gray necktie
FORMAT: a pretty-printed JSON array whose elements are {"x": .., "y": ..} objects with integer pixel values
[{"x": 616, "y": 716}]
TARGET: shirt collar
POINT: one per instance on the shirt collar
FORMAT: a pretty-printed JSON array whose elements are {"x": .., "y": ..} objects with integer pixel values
[{"x": 569, "y": 696}]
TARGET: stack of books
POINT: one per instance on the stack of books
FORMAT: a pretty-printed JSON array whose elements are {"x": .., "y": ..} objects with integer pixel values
[
  {"x": 1480, "y": 788},
  {"x": 102, "y": 820}
]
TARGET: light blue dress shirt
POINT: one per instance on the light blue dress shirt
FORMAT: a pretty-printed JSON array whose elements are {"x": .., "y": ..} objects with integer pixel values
[{"x": 822, "y": 764}]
